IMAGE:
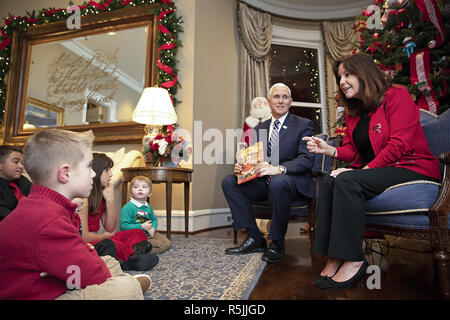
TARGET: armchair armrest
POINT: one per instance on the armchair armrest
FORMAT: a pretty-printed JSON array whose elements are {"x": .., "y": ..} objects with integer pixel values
[
  {"x": 439, "y": 211},
  {"x": 445, "y": 158}
]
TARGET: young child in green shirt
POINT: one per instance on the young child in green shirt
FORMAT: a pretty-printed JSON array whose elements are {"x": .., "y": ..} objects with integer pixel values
[{"x": 138, "y": 214}]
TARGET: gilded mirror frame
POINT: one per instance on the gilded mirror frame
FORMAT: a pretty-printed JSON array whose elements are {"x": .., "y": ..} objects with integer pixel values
[{"x": 120, "y": 19}]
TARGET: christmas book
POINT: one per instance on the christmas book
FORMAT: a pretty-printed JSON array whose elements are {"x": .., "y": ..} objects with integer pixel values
[{"x": 248, "y": 158}]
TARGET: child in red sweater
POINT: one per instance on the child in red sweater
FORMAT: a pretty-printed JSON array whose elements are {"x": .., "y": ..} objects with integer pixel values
[{"x": 42, "y": 254}]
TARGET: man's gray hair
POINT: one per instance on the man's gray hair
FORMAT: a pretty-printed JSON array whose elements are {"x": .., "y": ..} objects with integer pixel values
[{"x": 279, "y": 84}]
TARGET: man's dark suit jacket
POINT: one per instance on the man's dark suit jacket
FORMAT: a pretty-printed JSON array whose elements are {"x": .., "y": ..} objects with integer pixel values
[
  {"x": 291, "y": 151},
  {"x": 8, "y": 201}
]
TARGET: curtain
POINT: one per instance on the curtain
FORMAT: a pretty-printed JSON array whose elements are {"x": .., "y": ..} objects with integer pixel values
[
  {"x": 255, "y": 33},
  {"x": 340, "y": 40}
]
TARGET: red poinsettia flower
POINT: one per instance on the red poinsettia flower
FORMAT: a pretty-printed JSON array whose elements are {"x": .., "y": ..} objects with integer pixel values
[
  {"x": 175, "y": 148},
  {"x": 154, "y": 147},
  {"x": 170, "y": 128}
]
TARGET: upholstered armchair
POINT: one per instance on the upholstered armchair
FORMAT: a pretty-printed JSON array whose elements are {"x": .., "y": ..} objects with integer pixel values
[{"x": 420, "y": 209}]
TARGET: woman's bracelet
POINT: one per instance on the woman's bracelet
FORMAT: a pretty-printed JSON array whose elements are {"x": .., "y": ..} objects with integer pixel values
[{"x": 334, "y": 153}]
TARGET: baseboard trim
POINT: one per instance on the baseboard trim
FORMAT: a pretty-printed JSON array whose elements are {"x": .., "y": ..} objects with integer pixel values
[
  {"x": 199, "y": 220},
  {"x": 191, "y": 233}
]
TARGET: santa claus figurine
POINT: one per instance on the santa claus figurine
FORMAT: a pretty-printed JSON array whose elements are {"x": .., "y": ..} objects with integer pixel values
[{"x": 259, "y": 111}]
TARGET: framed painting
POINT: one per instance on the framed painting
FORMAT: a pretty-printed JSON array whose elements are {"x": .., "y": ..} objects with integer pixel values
[{"x": 39, "y": 114}]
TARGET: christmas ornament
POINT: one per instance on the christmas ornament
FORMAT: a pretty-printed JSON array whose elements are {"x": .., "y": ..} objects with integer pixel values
[
  {"x": 432, "y": 44},
  {"x": 360, "y": 26},
  {"x": 419, "y": 75},
  {"x": 431, "y": 13},
  {"x": 385, "y": 18},
  {"x": 408, "y": 45},
  {"x": 395, "y": 4}
]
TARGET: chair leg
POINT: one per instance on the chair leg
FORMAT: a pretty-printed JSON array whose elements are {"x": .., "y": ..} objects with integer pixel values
[
  {"x": 311, "y": 234},
  {"x": 442, "y": 261},
  {"x": 234, "y": 234}
]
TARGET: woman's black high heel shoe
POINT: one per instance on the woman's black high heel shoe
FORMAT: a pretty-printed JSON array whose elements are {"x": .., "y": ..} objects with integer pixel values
[
  {"x": 322, "y": 280},
  {"x": 330, "y": 284}
]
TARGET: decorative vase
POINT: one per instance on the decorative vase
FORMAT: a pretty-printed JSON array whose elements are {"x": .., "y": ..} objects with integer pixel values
[
  {"x": 168, "y": 163},
  {"x": 151, "y": 161},
  {"x": 152, "y": 164}
]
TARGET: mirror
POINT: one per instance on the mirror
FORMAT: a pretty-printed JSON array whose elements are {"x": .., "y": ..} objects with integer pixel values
[{"x": 90, "y": 78}]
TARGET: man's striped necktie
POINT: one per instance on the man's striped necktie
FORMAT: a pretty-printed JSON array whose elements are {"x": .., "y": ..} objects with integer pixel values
[{"x": 273, "y": 140}]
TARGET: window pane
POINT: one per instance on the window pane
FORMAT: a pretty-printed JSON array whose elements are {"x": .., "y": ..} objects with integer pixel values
[
  {"x": 299, "y": 69},
  {"x": 315, "y": 114}
]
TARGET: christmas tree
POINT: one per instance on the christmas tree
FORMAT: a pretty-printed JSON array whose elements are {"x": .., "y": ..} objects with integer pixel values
[{"x": 408, "y": 40}]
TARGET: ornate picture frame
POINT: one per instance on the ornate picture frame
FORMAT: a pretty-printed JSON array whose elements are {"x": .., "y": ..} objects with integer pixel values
[{"x": 39, "y": 114}]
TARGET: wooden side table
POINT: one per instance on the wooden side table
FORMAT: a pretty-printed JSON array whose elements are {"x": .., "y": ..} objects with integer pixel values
[{"x": 168, "y": 176}]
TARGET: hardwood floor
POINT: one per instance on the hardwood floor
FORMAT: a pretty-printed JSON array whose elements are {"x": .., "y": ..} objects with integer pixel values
[{"x": 406, "y": 272}]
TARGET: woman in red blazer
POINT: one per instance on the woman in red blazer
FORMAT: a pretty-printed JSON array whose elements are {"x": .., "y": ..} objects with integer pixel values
[{"x": 386, "y": 145}]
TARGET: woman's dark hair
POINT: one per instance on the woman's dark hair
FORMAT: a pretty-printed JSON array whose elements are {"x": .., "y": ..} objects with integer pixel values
[
  {"x": 372, "y": 83},
  {"x": 101, "y": 162}
]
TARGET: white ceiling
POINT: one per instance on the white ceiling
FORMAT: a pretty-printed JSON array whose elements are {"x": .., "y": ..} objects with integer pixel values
[{"x": 312, "y": 9}]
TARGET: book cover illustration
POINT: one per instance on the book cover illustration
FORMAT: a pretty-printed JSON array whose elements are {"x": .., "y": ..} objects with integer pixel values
[{"x": 248, "y": 158}]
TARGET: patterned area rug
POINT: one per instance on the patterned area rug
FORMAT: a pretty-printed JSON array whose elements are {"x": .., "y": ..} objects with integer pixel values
[{"x": 198, "y": 269}]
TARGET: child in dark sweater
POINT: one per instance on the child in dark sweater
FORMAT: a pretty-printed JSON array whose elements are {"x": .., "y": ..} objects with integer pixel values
[{"x": 13, "y": 185}]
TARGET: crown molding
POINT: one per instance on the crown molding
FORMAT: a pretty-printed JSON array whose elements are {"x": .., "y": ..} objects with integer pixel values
[{"x": 323, "y": 10}]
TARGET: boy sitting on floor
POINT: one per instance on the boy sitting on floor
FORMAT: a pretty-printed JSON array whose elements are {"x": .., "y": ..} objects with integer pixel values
[
  {"x": 138, "y": 214},
  {"x": 42, "y": 253},
  {"x": 13, "y": 185}
]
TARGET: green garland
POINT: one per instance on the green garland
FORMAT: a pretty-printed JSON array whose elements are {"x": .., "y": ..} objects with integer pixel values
[{"x": 45, "y": 16}]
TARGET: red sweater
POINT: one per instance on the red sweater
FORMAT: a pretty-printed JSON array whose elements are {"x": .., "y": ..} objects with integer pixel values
[
  {"x": 396, "y": 136},
  {"x": 38, "y": 243}
]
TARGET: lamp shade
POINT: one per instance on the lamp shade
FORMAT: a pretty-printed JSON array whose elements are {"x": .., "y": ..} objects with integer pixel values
[{"x": 155, "y": 108}]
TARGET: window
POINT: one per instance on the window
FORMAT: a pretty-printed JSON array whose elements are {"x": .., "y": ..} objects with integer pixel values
[{"x": 297, "y": 60}]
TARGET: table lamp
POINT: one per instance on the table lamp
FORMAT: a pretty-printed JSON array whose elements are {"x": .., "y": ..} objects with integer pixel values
[{"x": 154, "y": 109}]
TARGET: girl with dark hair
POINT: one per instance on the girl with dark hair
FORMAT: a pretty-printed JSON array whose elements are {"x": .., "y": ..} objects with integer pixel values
[
  {"x": 131, "y": 247},
  {"x": 385, "y": 144}
]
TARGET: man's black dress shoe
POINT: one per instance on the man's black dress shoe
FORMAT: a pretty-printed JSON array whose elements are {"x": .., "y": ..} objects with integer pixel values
[
  {"x": 275, "y": 252},
  {"x": 249, "y": 245}
]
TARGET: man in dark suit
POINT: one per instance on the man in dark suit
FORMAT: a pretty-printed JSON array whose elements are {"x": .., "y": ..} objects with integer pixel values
[{"x": 284, "y": 177}]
